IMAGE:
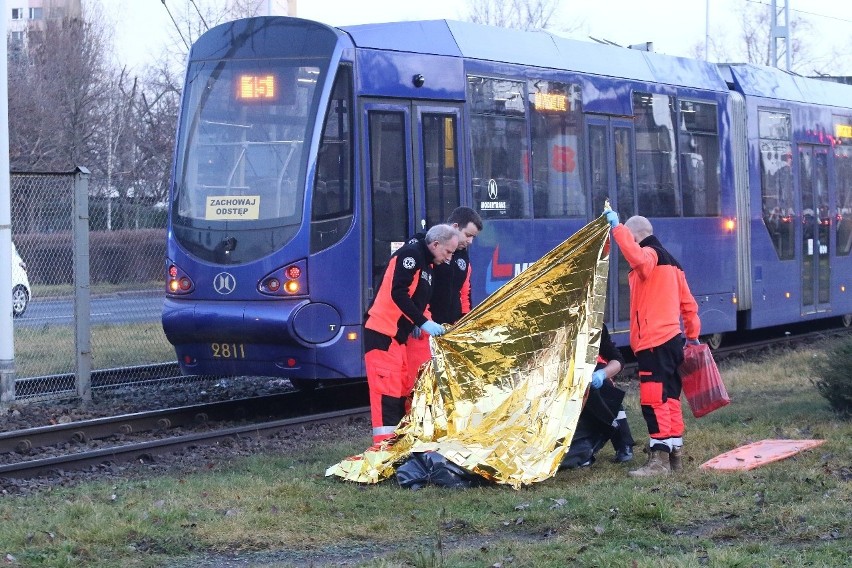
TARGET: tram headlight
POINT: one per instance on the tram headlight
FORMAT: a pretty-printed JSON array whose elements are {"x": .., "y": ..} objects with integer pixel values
[
  {"x": 273, "y": 284},
  {"x": 288, "y": 280},
  {"x": 177, "y": 281},
  {"x": 730, "y": 225}
]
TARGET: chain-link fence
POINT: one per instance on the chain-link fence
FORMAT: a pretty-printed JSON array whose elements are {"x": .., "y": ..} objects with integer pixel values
[{"x": 116, "y": 299}]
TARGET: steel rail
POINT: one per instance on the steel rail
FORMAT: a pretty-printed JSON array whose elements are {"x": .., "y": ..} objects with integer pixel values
[
  {"x": 287, "y": 404},
  {"x": 144, "y": 450}
]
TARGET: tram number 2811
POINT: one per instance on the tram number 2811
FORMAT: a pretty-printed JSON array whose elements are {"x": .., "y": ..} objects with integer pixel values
[{"x": 228, "y": 350}]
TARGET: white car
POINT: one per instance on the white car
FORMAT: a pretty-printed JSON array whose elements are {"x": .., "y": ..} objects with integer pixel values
[{"x": 21, "y": 293}]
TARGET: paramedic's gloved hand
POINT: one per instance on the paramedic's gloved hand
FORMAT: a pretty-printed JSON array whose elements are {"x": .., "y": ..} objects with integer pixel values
[
  {"x": 598, "y": 377},
  {"x": 416, "y": 332},
  {"x": 611, "y": 217},
  {"x": 693, "y": 342},
  {"x": 433, "y": 329}
]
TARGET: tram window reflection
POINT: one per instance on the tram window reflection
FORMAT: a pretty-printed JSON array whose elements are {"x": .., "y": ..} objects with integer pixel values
[
  {"x": 557, "y": 149},
  {"x": 656, "y": 161},
  {"x": 843, "y": 169},
  {"x": 699, "y": 155},
  {"x": 776, "y": 178},
  {"x": 499, "y": 148}
]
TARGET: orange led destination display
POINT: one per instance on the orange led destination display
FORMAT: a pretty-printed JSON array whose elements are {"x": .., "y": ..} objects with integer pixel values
[
  {"x": 843, "y": 130},
  {"x": 257, "y": 87},
  {"x": 544, "y": 101}
]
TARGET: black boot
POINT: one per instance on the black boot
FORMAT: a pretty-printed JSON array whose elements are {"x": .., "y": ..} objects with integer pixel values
[
  {"x": 623, "y": 455},
  {"x": 622, "y": 441}
]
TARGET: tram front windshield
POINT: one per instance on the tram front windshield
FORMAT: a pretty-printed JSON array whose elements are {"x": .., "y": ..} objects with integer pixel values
[{"x": 241, "y": 158}]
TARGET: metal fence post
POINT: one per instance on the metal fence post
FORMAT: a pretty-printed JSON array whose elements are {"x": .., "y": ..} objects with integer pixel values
[{"x": 82, "y": 290}]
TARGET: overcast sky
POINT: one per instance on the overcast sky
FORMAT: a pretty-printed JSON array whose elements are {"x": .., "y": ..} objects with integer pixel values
[{"x": 674, "y": 26}]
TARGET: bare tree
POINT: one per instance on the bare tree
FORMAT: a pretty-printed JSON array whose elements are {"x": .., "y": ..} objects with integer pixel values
[
  {"x": 137, "y": 140},
  {"x": 750, "y": 42},
  {"x": 247, "y": 8},
  {"x": 521, "y": 14},
  {"x": 157, "y": 113},
  {"x": 56, "y": 87},
  {"x": 191, "y": 18}
]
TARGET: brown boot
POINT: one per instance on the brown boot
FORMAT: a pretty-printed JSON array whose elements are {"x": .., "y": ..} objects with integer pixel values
[
  {"x": 676, "y": 460},
  {"x": 658, "y": 464}
]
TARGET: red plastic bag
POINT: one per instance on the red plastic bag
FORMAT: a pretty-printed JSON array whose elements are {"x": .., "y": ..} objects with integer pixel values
[{"x": 702, "y": 383}]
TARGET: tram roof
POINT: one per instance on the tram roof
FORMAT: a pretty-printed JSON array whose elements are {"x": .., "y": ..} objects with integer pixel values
[
  {"x": 769, "y": 82},
  {"x": 537, "y": 49}
]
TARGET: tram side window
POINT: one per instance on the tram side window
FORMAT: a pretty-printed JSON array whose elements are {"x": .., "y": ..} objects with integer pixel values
[
  {"x": 440, "y": 166},
  {"x": 699, "y": 159},
  {"x": 656, "y": 160},
  {"x": 776, "y": 180},
  {"x": 331, "y": 213},
  {"x": 389, "y": 186},
  {"x": 624, "y": 171},
  {"x": 843, "y": 169},
  {"x": 499, "y": 148},
  {"x": 557, "y": 177}
]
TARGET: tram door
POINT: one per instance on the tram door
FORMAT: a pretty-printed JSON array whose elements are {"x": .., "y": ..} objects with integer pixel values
[
  {"x": 611, "y": 159},
  {"x": 412, "y": 174},
  {"x": 816, "y": 228}
]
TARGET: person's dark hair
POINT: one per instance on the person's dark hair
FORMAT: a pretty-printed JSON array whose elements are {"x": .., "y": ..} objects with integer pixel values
[{"x": 463, "y": 216}]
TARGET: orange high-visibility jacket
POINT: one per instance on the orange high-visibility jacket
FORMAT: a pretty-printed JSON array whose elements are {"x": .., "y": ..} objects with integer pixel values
[
  {"x": 401, "y": 299},
  {"x": 659, "y": 294}
]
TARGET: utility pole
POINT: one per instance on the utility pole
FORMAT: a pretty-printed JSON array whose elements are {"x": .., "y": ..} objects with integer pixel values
[
  {"x": 7, "y": 344},
  {"x": 779, "y": 31},
  {"x": 706, "y": 30}
]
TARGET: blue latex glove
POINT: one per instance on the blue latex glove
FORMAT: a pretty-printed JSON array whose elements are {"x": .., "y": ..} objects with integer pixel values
[
  {"x": 416, "y": 332},
  {"x": 611, "y": 217},
  {"x": 598, "y": 377},
  {"x": 433, "y": 329},
  {"x": 693, "y": 342}
]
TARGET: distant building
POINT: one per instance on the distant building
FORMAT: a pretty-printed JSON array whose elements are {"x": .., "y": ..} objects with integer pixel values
[{"x": 24, "y": 16}]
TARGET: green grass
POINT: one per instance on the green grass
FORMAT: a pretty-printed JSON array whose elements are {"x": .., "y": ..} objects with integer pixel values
[
  {"x": 63, "y": 290},
  {"x": 49, "y": 349},
  {"x": 791, "y": 513}
]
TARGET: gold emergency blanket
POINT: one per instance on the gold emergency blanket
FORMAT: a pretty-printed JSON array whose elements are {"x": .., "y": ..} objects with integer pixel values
[{"x": 503, "y": 392}]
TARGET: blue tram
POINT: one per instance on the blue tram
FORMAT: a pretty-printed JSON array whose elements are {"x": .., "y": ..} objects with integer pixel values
[{"x": 307, "y": 154}]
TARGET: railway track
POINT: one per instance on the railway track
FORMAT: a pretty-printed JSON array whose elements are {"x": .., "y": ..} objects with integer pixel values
[
  {"x": 212, "y": 423},
  {"x": 143, "y": 450},
  {"x": 292, "y": 410}
]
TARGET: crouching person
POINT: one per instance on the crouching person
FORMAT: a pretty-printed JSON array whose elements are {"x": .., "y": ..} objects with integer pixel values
[{"x": 602, "y": 418}]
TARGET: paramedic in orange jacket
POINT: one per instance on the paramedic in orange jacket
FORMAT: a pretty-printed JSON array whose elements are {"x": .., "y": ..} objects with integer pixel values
[
  {"x": 659, "y": 299},
  {"x": 450, "y": 288},
  {"x": 398, "y": 307}
]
